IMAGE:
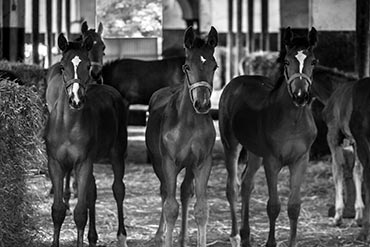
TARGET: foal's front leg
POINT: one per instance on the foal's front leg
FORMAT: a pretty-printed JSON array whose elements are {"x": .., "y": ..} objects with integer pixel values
[
  {"x": 272, "y": 168},
  {"x": 83, "y": 175},
  {"x": 201, "y": 174},
  {"x": 170, "y": 205},
  {"x": 59, "y": 208},
  {"x": 297, "y": 172}
]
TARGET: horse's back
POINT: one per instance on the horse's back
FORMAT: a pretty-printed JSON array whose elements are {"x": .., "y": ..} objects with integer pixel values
[
  {"x": 252, "y": 91},
  {"x": 137, "y": 80},
  {"x": 360, "y": 118},
  {"x": 339, "y": 106}
]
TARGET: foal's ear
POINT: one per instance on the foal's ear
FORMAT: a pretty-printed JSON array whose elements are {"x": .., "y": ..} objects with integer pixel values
[
  {"x": 189, "y": 37},
  {"x": 62, "y": 42},
  {"x": 288, "y": 36},
  {"x": 88, "y": 43},
  {"x": 212, "y": 37},
  {"x": 312, "y": 37},
  {"x": 100, "y": 28},
  {"x": 84, "y": 27}
]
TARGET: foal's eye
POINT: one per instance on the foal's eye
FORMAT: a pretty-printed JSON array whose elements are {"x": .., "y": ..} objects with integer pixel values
[
  {"x": 286, "y": 62},
  {"x": 314, "y": 62},
  {"x": 186, "y": 67}
]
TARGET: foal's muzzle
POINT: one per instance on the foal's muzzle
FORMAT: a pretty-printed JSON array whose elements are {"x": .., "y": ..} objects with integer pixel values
[
  {"x": 76, "y": 94},
  {"x": 200, "y": 96},
  {"x": 299, "y": 86},
  {"x": 96, "y": 72}
]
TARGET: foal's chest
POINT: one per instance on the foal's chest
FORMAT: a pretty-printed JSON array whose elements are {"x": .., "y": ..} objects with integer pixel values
[{"x": 182, "y": 141}]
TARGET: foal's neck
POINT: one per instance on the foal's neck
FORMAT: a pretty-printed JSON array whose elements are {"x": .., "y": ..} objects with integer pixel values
[{"x": 185, "y": 106}]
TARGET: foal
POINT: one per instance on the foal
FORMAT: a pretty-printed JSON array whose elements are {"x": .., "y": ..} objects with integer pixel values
[
  {"x": 274, "y": 123},
  {"x": 180, "y": 134},
  {"x": 86, "y": 124},
  {"x": 96, "y": 54}
]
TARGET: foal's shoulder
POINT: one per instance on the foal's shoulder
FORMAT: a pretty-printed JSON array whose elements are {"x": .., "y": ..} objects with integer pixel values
[{"x": 162, "y": 96}]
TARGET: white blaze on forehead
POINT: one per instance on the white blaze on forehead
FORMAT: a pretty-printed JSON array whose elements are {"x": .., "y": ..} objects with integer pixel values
[
  {"x": 76, "y": 61},
  {"x": 301, "y": 57},
  {"x": 202, "y": 59}
]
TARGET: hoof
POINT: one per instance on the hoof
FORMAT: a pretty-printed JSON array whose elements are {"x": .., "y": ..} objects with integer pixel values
[
  {"x": 235, "y": 241},
  {"x": 349, "y": 213},
  {"x": 362, "y": 237},
  {"x": 122, "y": 242},
  {"x": 271, "y": 244},
  {"x": 337, "y": 222},
  {"x": 159, "y": 241},
  {"x": 359, "y": 222}
]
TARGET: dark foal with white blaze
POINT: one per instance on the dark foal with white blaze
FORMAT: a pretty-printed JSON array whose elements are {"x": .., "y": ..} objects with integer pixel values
[
  {"x": 96, "y": 54},
  {"x": 273, "y": 121},
  {"x": 86, "y": 124},
  {"x": 180, "y": 134}
]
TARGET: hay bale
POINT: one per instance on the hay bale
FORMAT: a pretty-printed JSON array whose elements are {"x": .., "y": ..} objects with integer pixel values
[
  {"x": 21, "y": 149},
  {"x": 31, "y": 75}
]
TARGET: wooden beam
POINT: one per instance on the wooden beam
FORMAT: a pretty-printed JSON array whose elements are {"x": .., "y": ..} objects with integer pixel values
[
  {"x": 68, "y": 18},
  {"x": 49, "y": 34},
  {"x": 250, "y": 25},
  {"x": 35, "y": 31},
  {"x": 239, "y": 36},
  {"x": 265, "y": 41},
  {"x": 362, "y": 38},
  {"x": 230, "y": 42}
]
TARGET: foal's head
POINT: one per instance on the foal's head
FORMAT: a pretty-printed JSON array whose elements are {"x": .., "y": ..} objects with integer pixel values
[
  {"x": 299, "y": 62},
  {"x": 96, "y": 53},
  {"x": 199, "y": 68},
  {"x": 75, "y": 66}
]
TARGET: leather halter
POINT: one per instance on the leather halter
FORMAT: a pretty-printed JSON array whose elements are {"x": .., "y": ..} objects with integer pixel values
[
  {"x": 70, "y": 82},
  {"x": 192, "y": 86},
  {"x": 296, "y": 75}
]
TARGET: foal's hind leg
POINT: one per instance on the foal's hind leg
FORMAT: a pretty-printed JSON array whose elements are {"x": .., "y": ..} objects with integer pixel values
[
  {"x": 118, "y": 187},
  {"x": 232, "y": 189},
  {"x": 337, "y": 167},
  {"x": 187, "y": 191},
  {"x": 201, "y": 174},
  {"x": 272, "y": 168},
  {"x": 58, "y": 209},
  {"x": 297, "y": 172},
  {"x": 83, "y": 175},
  {"x": 253, "y": 163},
  {"x": 91, "y": 200},
  {"x": 357, "y": 180}
]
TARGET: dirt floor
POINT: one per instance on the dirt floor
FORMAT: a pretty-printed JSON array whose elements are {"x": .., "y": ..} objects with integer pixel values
[{"x": 143, "y": 206}]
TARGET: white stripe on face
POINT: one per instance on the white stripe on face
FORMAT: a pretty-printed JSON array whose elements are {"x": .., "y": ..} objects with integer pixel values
[
  {"x": 75, "y": 86},
  {"x": 202, "y": 59},
  {"x": 300, "y": 57}
]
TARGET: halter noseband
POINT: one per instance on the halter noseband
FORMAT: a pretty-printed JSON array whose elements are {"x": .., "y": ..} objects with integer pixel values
[
  {"x": 192, "y": 86},
  {"x": 92, "y": 63},
  {"x": 302, "y": 75},
  {"x": 71, "y": 82}
]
